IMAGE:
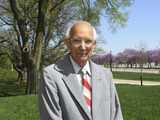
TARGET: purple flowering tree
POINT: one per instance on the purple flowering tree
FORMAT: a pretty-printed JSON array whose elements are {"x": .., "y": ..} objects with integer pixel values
[
  {"x": 119, "y": 59},
  {"x": 149, "y": 54},
  {"x": 99, "y": 59},
  {"x": 156, "y": 57},
  {"x": 131, "y": 57}
]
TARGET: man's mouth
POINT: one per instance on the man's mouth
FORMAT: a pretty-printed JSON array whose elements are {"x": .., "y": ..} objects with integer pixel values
[{"x": 83, "y": 53}]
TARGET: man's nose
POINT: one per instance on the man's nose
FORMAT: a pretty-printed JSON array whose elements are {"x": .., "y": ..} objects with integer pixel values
[{"x": 83, "y": 45}]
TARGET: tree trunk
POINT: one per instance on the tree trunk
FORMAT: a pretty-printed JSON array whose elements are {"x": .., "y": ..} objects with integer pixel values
[
  {"x": 32, "y": 79},
  {"x": 35, "y": 57}
]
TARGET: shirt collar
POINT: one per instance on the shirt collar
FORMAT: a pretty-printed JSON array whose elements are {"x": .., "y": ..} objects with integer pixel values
[{"x": 77, "y": 68}]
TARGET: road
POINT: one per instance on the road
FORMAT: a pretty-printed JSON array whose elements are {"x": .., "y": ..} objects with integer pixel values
[
  {"x": 135, "y": 82},
  {"x": 137, "y": 70}
]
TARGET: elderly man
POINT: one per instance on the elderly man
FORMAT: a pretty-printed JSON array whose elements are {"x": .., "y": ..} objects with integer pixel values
[{"x": 75, "y": 88}]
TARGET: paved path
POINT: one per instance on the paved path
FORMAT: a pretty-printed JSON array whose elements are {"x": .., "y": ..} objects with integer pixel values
[
  {"x": 157, "y": 71},
  {"x": 135, "y": 82}
]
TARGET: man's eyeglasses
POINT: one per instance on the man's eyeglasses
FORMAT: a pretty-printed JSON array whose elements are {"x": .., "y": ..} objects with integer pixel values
[{"x": 78, "y": 42}]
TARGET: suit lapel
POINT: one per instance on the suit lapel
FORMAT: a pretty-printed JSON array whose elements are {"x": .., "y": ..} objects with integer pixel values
[
  {"x": 70, "y": 79},
  {"x": 73, "y": 86},
  {"x": 98, "y": 90}
]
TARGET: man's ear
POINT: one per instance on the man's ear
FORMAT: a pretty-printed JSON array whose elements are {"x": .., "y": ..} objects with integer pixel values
[
  {"x": 67, "y": 43},
  {"x": 94, "y": 45}
]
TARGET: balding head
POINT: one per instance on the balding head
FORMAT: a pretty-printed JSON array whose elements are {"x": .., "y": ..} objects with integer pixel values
[{"x": 75, "y": 26}]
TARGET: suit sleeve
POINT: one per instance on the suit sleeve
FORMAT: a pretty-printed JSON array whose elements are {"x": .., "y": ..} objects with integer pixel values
[
  {"x": 116, "y": 113},
  {"x": 48, "y": 98}
]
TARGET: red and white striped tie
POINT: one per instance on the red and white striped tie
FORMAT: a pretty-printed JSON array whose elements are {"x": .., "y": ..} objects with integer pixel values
[{"x": 87, "y": 90}]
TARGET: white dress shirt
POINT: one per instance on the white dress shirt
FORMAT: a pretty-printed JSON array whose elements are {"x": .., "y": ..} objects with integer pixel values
[{"x": 77, "y": 68}]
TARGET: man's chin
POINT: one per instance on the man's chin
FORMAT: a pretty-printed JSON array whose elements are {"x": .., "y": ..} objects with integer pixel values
[{"x": 83, "y": 59}]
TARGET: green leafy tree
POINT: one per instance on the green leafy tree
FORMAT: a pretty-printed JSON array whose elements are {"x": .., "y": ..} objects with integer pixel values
[
  {"x": 5, "y": 62},
  {"x": 38, "y": 27}
]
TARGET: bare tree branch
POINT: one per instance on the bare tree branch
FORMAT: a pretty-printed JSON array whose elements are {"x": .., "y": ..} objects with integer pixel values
[
  {"x": 2, "y": 41},
  {"x": 18, "y": 38},
  {"x": 4, "y": 8},
  {"x": 21, "y": 22},
  {"x": 57, "y": 5},
  {"x": 5, "y": 21},
  {"x": 83, "y": 2},
  {"x": 60, "y": 42},
  {"x": 3, "y": 53}
]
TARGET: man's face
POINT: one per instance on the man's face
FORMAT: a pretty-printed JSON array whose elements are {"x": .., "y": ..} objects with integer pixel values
[{"x": 81, "y": 43}]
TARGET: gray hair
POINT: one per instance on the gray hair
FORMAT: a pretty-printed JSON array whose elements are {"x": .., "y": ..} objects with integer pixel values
[{"x": 67, "y": 35}]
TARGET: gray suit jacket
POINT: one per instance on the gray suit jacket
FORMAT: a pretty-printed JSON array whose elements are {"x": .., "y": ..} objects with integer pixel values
[{"x": 60, "y": 96}]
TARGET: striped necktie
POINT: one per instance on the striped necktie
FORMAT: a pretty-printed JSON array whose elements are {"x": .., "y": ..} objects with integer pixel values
[{"x": 87, "y": 90}]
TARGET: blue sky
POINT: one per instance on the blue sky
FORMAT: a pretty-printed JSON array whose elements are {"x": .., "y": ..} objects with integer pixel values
[{"x": 142, "y": 29}]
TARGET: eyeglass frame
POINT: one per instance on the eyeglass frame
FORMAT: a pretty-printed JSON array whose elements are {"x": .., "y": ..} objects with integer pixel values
[{"x": 78, "y": 41}]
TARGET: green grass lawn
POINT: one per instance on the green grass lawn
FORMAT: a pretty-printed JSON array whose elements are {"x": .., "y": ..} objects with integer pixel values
[
  {"x": 9, "y": 85},
  {"x": 140, "y": 103},
  {"x": 19, "y": 108},
  {"x": 14, "y": 104},
  {"x": 11, "y": 88},
  {"x": 7, "y": 74},
  {"x": 136, "y": 76}
]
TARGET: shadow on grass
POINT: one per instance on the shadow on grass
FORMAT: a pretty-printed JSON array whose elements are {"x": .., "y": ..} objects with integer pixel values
[{"x": 9, "y": 87}]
